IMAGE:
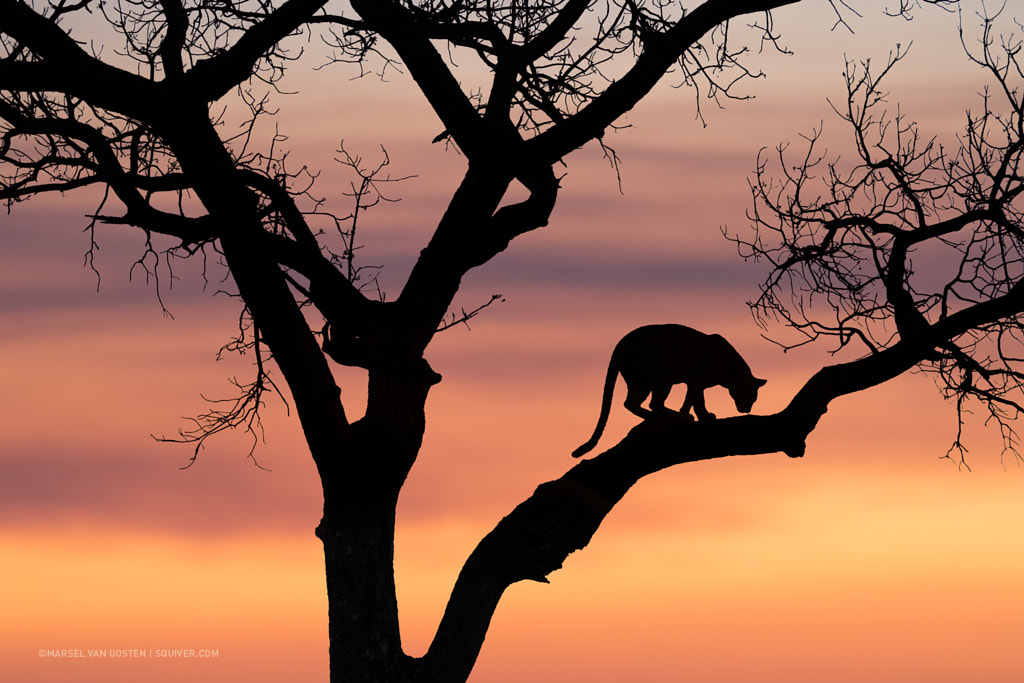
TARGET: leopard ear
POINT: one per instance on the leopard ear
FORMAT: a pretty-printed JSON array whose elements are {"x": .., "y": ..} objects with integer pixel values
[{"x": 760, "y": 382}]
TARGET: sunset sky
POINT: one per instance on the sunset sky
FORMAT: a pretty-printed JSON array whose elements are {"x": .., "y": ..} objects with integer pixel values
[{"x": 871, "y": 559}]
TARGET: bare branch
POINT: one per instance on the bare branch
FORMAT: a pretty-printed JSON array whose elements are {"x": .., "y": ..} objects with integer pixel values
[{"x": 910, "y": 238}]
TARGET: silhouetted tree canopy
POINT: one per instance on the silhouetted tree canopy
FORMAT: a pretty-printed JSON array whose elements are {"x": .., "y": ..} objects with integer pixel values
[
  {"x": 912, "y": 244},
  {"x": 129, "y": 96}
]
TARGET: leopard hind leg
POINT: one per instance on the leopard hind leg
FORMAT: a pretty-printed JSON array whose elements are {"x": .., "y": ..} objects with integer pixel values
[{"x": 635, "y": 397}]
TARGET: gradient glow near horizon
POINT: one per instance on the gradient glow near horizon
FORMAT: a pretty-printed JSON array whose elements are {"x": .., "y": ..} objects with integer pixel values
[{"x": 868, "y": 560}]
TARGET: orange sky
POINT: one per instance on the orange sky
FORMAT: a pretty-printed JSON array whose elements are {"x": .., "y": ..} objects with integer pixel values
[{"x": 869, "y": 559}]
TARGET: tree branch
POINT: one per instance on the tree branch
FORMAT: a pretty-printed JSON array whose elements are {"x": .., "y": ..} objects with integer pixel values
[
  {"x": 660, "y": 52},
  {"x": 174, "y": 39},
  {"x": 562, "y": 515},
  {"x": 395, "y": 24},
  {"x": 65, "y": 67},
  {"x": 213, "y": 77}
]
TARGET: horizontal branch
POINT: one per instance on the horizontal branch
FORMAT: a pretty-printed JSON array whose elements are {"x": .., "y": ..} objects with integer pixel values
[{"x": 190, "y": 230}]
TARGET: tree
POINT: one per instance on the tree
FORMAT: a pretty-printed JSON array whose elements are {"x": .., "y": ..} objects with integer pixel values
[{"x": 142, "y": 125}]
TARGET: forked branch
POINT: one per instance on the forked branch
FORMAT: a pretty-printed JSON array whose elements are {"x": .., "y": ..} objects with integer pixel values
[{"x": 910, "y": 240}]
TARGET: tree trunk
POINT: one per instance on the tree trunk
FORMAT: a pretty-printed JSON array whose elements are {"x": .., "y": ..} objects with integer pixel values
[
  {"x": 365, "y": 642},
  {"x": 362, "y": 480}
]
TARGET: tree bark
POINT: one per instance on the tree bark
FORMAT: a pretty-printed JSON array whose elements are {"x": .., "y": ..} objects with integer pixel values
[{"x": 365, "y": 641}]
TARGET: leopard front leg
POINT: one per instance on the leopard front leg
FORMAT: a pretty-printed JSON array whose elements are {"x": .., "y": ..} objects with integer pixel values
[{"x": 695, "y": 399}]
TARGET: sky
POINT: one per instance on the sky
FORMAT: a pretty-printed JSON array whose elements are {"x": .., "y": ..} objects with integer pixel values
[{"x": 872, "y": 558}]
